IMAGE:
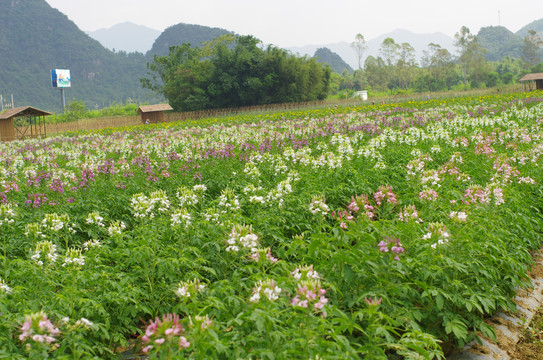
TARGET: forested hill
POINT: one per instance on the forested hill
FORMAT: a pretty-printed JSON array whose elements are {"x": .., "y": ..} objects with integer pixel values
[
  {"x": 500, "y": 42},
  {"x": 184, "y": 33},
  {"x": 536, "y": 25},
  {"x": 325, "y": 55},
  {"x": 35, "y": 38}
]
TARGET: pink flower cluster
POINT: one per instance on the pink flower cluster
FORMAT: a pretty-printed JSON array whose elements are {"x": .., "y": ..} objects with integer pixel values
[
  {"x": 164, "y": 332},
  {"x": 385, "y": 193},
  {"x": 262, "y": 255},
  {"x": 310, "y": 293},
  {"x": 428, "y": 194},
  {"x": 37, "y": 328},
  {"x": 475, "y": 194},
  {"x": 359, "y": 205},
  {"x": 409, "y": 213},
  {"x": 373, "y": 301},
  {"x": 392, "y": 244}
]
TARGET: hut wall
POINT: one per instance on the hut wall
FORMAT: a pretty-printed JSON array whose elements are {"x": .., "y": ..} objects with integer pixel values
[
  {"x": 153, "y": 117},
  {"x": 7, "y": 129},
  {"x": 539, "y": 84}
]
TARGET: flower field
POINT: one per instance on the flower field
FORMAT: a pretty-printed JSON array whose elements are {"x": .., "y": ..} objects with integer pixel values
[{"x": 377, "y": 232}]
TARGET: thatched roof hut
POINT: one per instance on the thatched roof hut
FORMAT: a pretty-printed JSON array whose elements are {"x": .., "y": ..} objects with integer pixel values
[
  {"x": 152, "y": 114},
  {"x": 529, "y": 79},
  {"x": 22, "y": 122}
]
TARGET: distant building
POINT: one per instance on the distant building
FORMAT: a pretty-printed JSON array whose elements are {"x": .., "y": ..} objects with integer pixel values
[
  {"x": 152, "y": 114},
  {"x": 529, "y": 80}
]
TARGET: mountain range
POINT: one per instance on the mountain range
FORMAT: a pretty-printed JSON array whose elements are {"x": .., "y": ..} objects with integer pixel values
[
  {"x": 497, "y": 40},
  {"x": 35, "y": 38},
  {"x": 127, "y": 37}
]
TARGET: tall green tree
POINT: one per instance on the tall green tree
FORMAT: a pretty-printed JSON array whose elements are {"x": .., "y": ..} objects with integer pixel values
[
  {"x": 181, "y": 77},
  {"x": 406, "y": 64},
  {"x": 531, "y": 54},
  {"x": 440, "y": 66},
  {"x": 359, "y": 46},
  {"x": 376, "y": 73},
  {"x": 474, "y": 65}
]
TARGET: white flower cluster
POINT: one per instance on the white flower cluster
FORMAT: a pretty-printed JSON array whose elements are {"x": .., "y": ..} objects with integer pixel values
[
  {"x": 84, "y": 323},
  {"x": 91, "y": 244},
  {"x": 276, "y": 196},
  {"x": 252, "y": 171},
  {"x": 186, "y": 197},
  {"x": 228, "y": 201},
  {"x": 458, "y": 216},
  {"x": 268, "y": 288},
  {"x": 4, "y": 288},
  {"x": 318, "y": 205},
  {"x": 181, "y": 217},
  {"x": 200, "y": 188},
  {"x": 74, "y": 257},
  {"x": 369, "y": 152},
  {"x": 253, "y": 193},
  {"x": 305, "y": 273},
  {"x": 186, "y": 289},
  {"x": 45, "y": 253},
  {"x": 35, "y": 230},
  {"x": 437, "y": 231},
  {"x": 143, "y": 206},
  {"x": 430, "y": 176},
  {"x": 116, "y": 228},
  {"x": 211, "y": 215},
  {"x": 7, "y": 214},
  {"x": 329, "y": 159},
  {"x": 95, "y": 218},
  {"x": 242, "y": 236},
  {"x": 409, "y": 213},
  {"x": 160, "y": 198},
  {"x": 54, "y": 222}
]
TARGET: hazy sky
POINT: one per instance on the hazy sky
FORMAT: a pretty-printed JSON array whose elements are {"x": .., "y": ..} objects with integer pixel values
[{"x": 296, "y": 22}]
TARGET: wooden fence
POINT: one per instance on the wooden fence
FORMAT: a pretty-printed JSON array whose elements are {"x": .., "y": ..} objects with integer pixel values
[{"x": 133, "y": 120}]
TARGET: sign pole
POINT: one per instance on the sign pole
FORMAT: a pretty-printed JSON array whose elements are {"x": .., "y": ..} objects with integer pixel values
[{"x": 62, "y": 99}]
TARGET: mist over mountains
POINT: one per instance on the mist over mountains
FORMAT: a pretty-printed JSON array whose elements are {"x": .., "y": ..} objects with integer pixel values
[
  {"x": 497, "y": 40},
  {"x": 127, "y": 37}
]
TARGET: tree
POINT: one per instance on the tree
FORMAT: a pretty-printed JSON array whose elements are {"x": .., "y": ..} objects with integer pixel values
[
  {"x": 389, "y": 51},
  {"x": 231, "y": 74},
  {"x": 470, "y": 56},
  {"x": 407, "y": 65},
  {"x": 359, "y": 46},
  {"x": 439, "y": 63},
  {"x": 531, "y": 49},
  {"x": 376, "y": 72},
  {"x": 181, "y": 77}
]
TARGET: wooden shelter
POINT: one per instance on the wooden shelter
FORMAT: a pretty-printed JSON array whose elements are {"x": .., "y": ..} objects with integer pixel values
[
  {"x": 152, "y": 114},
  {"x": 21, "y": 123},
  {"x": 529, "y": 80}
]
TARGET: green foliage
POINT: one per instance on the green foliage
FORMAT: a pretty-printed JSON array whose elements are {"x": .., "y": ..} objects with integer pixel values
[
  {"x": 301, "y": 246},
  {"x": 77, "y": 110},
  {"x": 222, "y": 75}
]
